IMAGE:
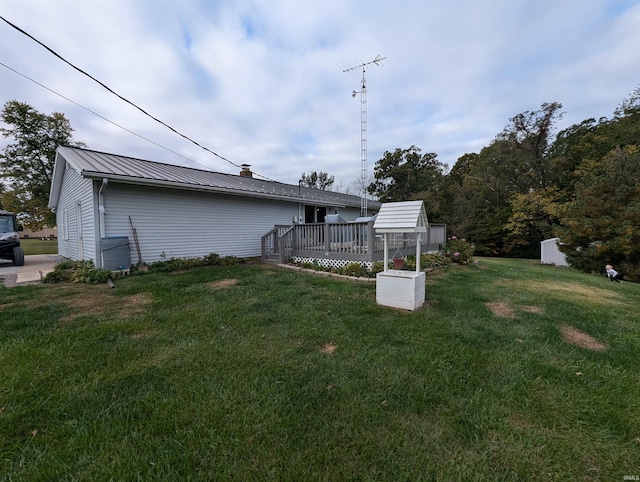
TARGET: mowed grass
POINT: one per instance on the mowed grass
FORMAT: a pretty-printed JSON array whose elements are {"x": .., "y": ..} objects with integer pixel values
[
  {"x": 513, "y": 371},
  {"x": 38, "y": 246}
]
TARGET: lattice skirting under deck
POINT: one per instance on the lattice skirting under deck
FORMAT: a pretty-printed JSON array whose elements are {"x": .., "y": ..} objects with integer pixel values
[{"x": 330, "y": 263}]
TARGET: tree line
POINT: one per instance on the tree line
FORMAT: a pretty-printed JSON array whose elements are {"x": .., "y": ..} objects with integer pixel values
[{"x": 581, "y": 185}]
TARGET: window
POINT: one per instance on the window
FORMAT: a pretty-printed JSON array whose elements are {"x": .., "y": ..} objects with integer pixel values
[
  {"x": 314, "y": 214},
  {"x": 65, "y": 225}
]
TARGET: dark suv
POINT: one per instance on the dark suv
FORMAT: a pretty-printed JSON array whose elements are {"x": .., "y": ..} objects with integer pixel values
[{"x": 9, "y": 239}]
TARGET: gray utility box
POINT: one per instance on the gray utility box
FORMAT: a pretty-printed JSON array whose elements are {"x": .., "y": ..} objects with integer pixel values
[{"x": 115, "y": 253}]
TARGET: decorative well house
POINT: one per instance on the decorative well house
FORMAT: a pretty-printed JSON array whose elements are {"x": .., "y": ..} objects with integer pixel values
[{"x": 394, "y": 287}]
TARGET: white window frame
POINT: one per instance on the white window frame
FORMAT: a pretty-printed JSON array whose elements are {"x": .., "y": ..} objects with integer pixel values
[{"x": 65, "y": 225}]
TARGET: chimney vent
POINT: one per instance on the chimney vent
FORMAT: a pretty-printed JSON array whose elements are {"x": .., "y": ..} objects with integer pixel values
[{"x": 246, "y": 172}]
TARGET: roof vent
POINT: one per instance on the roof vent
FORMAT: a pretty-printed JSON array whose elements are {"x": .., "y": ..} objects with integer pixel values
[{"x": 246, "y": 172}]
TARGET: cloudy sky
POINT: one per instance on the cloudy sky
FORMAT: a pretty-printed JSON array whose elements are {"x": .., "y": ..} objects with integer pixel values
[{"x": 261, "y": 82}]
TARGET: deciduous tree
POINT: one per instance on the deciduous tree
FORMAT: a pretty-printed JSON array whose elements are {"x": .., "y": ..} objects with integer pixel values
[
  {"x": 317, "y": 180},
  {"x": 26, "y": 165},
  {"x": 530, "y": 134},
  {"x": 406, "y": 174},
  {"x": 533, "y": 216},
  {"x": 601, "y": 225}
]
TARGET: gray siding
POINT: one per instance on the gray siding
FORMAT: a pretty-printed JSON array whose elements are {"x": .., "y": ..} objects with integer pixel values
[
  {"x": 76, "y": 190},
  {"x": 183, "y": 224}
]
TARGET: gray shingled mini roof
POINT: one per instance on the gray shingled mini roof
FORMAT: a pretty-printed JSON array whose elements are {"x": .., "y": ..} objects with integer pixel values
[
  {"x": 100, "y": 165},
  {"x": 402, "y": 217}
]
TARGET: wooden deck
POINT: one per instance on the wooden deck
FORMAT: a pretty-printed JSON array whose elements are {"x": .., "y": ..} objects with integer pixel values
[{"x": 347, "y": 242}]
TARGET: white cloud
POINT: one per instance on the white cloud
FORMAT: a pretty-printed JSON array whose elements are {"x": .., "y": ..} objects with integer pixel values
[{"x": 261, "y": 82}]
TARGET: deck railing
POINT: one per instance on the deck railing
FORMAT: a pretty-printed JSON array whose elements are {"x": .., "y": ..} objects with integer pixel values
[
  {"x": 276, "y": 244},
  {"x": 355, "y": 241}
]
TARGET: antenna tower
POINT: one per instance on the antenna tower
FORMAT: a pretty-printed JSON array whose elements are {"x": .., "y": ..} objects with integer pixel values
[{"x": 363, "y": 129}]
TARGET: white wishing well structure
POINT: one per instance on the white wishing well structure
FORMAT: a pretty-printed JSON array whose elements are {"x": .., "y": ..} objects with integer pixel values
[{"x": 394, "y": 287}]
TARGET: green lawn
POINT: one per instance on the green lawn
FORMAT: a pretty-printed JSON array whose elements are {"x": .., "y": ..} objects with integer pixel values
[
  {"x": 251, "y": 373},
  {"x": 37, "y": 246}
]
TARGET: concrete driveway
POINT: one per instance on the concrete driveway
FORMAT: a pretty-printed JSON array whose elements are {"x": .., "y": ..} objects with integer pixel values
[{"x": 36, "y": 266}]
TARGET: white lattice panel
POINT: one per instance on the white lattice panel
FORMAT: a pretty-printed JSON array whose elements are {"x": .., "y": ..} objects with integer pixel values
[{"x": 329, "y": 263}]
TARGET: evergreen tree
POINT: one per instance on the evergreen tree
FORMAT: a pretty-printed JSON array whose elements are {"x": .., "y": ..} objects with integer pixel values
[{"x": 317, "y": 180}]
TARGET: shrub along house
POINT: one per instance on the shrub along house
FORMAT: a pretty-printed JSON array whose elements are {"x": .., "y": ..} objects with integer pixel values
[{"x": 177, "y": 212}]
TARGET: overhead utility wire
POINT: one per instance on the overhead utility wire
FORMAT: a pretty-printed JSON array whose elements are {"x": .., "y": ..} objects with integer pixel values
[
  {"x": 120, "y": 97},
  {"x": 102, "y": 117}
]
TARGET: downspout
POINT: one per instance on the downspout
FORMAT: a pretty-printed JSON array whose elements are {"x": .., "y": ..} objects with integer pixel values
[{"x": 101, "y": 209}]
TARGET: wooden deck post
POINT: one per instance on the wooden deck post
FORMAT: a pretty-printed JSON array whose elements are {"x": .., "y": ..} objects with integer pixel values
[
  {"x": 327, "y": 239},
  {"x": 371, "y": 241},
  {"x": 280, "y": 242}
]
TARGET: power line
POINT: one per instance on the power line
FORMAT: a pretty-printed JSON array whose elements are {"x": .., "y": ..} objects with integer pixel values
[
  {"x": 102, "y": 117},
  {"x": 123, "y": 98},
  {"x": 112, "y": 122}
]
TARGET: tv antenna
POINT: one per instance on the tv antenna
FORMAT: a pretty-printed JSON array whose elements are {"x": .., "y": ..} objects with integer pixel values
[{"x": 363, "y": 128}]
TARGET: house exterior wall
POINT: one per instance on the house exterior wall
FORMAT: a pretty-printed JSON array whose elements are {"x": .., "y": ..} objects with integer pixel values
[
  {"x": 173, "y": 223},
  {"x": 76, "y": 201}
]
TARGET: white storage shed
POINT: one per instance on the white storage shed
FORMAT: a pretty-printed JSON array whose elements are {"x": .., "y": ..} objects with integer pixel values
[{"x": 551, "y": 254}]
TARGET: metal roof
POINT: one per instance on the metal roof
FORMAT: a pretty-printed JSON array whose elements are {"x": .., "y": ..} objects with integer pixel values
[
  {"x": 402, "y": 217},
  {"x": 99, "y": 165}
]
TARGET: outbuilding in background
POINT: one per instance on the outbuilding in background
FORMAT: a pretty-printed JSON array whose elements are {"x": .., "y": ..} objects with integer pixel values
[{"x": 550, "y": 253}]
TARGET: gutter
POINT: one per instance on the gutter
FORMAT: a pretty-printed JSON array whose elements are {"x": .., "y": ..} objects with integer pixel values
[
  {"x": 101, "y": 208},
  {"x": 199, "y": 187}
]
